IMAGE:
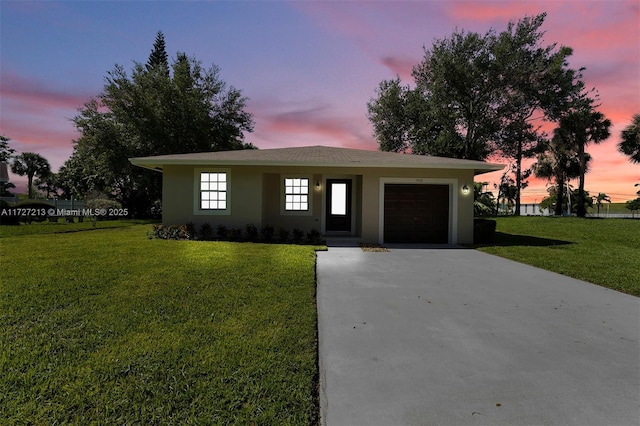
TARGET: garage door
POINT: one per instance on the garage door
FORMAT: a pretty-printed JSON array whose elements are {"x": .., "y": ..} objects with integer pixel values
[{"x": 416, "y": 213}]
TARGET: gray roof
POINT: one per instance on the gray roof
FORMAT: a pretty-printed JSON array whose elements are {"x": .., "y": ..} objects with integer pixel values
[{"x": 317, "y": 156}]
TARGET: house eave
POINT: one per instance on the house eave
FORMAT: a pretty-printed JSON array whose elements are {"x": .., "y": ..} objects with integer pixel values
[{"x": 154, "y": 164}]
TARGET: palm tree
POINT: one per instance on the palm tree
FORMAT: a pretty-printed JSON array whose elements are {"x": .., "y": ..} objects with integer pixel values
[
  {"x": 602, "y": 197},
  {"x": 483, "y": 201},
  {"x": 579, "y": 128},
  {"x": 30, "y": 164},
  {"x": 507, "y": 191},
  {"x": 630, "y": 144},
  {"x": 560, "y": 164}
]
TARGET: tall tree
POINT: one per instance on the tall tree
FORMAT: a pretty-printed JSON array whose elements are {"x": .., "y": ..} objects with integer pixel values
[
  {"x": 454, "y": 79},
  {"x": 602, "y": 198},
  {"x": 474, "y": 91},
  {"x": 158, "y": 59},
  {"x": 451, "y": 111},
  {"x": 477, "y": 94},
  {"x": 630, "y": 143},
  {"x": 579, "y": 127},
  {"x": 559, "y": 164},
  {"x": 532, "y": 79},
  {"x": 48, "y": 185},
  {"x": 6, "y": 152},
  {"x": 152, "y": 112},
  {"x": 506, "y": 194},
  {"x": 30, "y": 164},
  {"x": 389, "y": 116}
]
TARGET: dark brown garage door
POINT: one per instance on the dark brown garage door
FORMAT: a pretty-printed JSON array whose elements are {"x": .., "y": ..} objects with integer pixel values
[{"x": 416, "y": 213}]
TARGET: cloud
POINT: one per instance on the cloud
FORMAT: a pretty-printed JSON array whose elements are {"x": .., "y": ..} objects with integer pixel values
[
  {"x": 343, "y": 18},
  {"x": 497, "y": 11},
  {"x": 282, "y": 124},
  {"x": 37, "y": 116},
  {"x": 36, "y": 96},
  {"x": 400, "y": 65}
]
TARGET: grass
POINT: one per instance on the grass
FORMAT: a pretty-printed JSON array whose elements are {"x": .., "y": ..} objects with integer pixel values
[
  {"x": 613, "y": 208},
  {"x": 61, "y": 226},
  {"x": 601, "y": 251},
  {"x": 110, "y": 327}
]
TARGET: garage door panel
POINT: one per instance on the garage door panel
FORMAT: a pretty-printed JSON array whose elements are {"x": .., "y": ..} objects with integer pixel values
[{"x": 416, "y": 213}]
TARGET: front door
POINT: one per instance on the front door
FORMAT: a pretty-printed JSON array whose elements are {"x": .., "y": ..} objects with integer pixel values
[{"x": 338, "y": 205}]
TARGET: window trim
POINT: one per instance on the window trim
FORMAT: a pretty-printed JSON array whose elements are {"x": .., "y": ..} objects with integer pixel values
[
  {"x": 283, "y": 195},
  {"x": 197, "y": 191}
]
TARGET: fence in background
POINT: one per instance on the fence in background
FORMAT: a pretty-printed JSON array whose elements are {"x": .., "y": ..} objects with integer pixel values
[{"x": 57, "y": 204}]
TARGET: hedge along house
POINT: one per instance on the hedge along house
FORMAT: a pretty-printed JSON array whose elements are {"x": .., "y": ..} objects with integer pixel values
[{"x": 378, "y": 197}]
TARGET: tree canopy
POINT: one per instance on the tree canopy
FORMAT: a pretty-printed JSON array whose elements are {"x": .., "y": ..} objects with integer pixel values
[
  {"x": 558, "y": 164},
  {"x": 155, "y": 109},
  {"x": 479, "y": 94},
  {"x": 158, "y": 58},
  {"x": 630, "y": 143},
  {"x": 578, "y": 128},
  {"x": 30, "y": 164},
  {"x": 6, "y": 152}
]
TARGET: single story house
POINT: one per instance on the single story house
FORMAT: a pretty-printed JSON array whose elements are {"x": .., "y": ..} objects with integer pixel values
[{"x": 377, "y": 197}]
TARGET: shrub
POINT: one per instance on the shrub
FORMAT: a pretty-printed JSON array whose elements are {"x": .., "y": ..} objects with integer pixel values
[
  {"x": 633, "y": 205},
  {"x": 223, "y": 232},
  {"x": 100, "y": 207},
  {"x": 267, "y": 233},
  {"x": 173, "y": 232},
  {"x": 283, "y": 235},
  {"x": 206, "y": 232},
  {"x": 484, "y": 231},
  {"x": 252, "y": 232},
  {"x": 314, "y": 237},
  {"x": 298, "y": 235},
  {"x": 235, "y": 234},
  {"x": 188, "y": 232},
  {"x": 190, "y": 229}
]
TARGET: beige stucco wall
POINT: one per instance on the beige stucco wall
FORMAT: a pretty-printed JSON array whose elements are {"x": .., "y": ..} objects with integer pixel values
[{"x": 255, "y": 197}]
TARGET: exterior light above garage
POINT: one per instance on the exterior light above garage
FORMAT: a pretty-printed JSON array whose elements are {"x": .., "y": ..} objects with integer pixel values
[{"x": 465, "y": 189}]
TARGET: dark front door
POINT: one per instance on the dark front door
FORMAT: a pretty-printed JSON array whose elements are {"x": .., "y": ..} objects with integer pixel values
[
  {"x": 338, "y": 205},
  {"x": 416, "y": 213}
]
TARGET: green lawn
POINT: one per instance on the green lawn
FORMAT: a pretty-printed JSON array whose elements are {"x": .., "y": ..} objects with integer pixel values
[
  {"x": 613, "y": 208},
  {"x": 602, "y": 251},
  {"x": 111, "y": 327},
  {"x": 61, "y": 226}
]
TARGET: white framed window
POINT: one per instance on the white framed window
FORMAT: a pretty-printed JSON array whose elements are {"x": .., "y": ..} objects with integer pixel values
[
  {"x": 296, "y": 194},
  {"x": 212, "y": 191}
]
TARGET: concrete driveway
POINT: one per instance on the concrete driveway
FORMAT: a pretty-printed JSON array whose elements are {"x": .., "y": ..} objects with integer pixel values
[{"x": 452, "y": 336}]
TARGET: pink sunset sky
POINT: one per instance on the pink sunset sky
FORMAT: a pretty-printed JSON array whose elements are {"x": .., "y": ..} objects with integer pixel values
[{"x": 308, "y": 68}]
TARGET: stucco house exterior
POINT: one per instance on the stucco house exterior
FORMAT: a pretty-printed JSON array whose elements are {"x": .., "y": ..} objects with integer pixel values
[{"x": 376, "y": 197}]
